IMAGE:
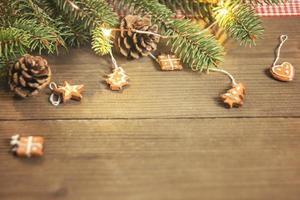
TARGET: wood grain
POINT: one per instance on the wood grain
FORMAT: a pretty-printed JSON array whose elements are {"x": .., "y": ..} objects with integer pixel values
[
  {"x": 155, "y": 159},
  {"x": 182, "y": 94},
  {"x": 166, "y": 137}
]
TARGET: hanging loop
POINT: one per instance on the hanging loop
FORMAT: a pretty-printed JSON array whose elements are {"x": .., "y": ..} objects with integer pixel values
[
  {"x": 233, "y": 81},
  {"x": 54, "y": 99},
  {"x": 52, "y": 86},
  {"x": 283, "y": 38}
]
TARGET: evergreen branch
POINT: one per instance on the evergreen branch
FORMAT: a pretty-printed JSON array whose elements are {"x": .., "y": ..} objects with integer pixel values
[
  {"x": 13, "y": 42},
  {"x": 199, "y": 50},
  {"x": 41, "y": 37},
  {"x": 240, "y": 21},
  {"x": 191, "y": 9},
  {"x": 100, "y": 43},
  {"x": 92, "y": 13},
  {"x": 7, "y": 12},
  {"x": 73, "y": 32},
  {"x": 32, "y": 10}
]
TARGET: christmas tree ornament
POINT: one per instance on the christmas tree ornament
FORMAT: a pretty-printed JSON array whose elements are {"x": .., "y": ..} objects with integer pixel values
[
  {"x": 118, "y": 78},
  {"x": 284, "y": 71},
  {"x": 65, "y": 93},
  {"x": 137, "y": 36},
  {"x": 169, "y": 62},
  {"x": 27, "y": 146},
  {"x": 29, "y": 75},
  {"x": 235, "y": 96}
]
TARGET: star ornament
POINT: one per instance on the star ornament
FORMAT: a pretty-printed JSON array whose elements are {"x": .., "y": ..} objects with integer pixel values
[
  {"x": 118, "y": 79},
  {"x": 67, "y": 92}
]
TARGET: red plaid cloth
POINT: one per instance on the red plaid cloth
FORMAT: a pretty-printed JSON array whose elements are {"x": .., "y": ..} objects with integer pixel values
[{"x": 291, "y": 8}]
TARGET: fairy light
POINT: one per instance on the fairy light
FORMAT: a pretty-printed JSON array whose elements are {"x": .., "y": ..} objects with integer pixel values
[
  {"x": 106, "y": 32},
  {"x": 223, "y": 11}
]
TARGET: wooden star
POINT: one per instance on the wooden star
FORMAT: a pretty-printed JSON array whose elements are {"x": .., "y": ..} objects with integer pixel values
[
  {"x": 118, "y": 79},
  {"x": 68, "y": 92}
]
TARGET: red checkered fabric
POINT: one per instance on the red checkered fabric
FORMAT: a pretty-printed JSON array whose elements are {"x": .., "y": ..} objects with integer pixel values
[{"x": 290, "y": 8}]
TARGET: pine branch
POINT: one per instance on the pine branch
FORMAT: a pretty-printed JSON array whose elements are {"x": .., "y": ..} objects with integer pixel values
[
  {"x": 191, "y": 9},
  {"x": 100, "y": 44},
  {"x": 7, "y": 12},
  {"x": 13, "y": 42},
  {"x": 41, "y": 37},
  {"x": 240, "y": 21},
  {"x": 92, "y": 13},
  {"x": 199, "y": 50},
  {"x": 73, "y": 32},
  {"x": 31, "y": 9}
]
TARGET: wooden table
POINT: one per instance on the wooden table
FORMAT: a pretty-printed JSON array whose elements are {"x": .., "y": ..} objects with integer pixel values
[{"x": 167, "y": 136}]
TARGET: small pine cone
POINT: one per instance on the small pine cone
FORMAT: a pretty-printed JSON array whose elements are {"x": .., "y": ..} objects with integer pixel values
[
  {"x": 132, "y": 44},
  {"x": 28, "y": 75}
]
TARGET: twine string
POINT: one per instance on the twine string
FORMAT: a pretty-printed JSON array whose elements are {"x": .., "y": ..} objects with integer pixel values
[
  {"x": 283, "y": 38},
  {"x": 113, "y": 60},
  {"x": 54, "y": 99},
  {"x": 233, "y": 81}
]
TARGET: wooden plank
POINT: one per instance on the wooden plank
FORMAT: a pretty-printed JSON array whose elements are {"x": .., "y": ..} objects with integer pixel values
[
  {"x": 194, "y": 159},
  {"x": 185, "y": 94}
]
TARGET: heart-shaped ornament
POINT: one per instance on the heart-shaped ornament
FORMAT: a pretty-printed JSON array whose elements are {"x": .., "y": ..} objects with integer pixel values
[{"x": 283, "y": 72}]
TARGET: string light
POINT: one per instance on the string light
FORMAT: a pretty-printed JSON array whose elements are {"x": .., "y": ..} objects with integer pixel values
[
  {"x": 223, "y": 11},
  {"x": 106, "y": 32}
]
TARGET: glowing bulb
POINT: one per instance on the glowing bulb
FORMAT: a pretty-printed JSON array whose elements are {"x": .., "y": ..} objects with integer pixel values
[
  {"x": 223, "y": 11},
  {"x": 106, "y": 32}
]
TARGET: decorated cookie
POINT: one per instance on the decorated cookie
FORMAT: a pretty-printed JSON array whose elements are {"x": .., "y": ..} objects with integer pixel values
[{"x": 283, "y": 72}]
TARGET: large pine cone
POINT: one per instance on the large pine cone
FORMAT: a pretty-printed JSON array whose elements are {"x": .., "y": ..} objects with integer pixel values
[
  {"x": 133, "y": 44},
  {"x": 29, "y": 75}
]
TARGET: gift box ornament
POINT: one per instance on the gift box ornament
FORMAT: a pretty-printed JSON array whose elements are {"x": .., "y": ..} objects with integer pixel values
[
  {"x": 169, "y": 62},
  {"x": 27, "y": 146}
]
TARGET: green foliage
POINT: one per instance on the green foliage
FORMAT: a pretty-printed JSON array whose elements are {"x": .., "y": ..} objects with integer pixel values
[
  {"x": 89, "y": 16},
  {"x": 41, "y": 37},
  {"x": 199, "y": 49},
  {"x": 73, "y": 32},
  {"x": 191, "y": 9},
  {"x": 91, "y": 13},
  {"x": 13, "y": 41},
  {"x": 100, "y": 43},
  {"x": 46, "y": 25},
  {"x": 240, "y": 21}
]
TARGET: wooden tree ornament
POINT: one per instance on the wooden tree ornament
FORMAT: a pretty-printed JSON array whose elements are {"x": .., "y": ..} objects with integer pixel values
[{"x": 234, "y": 97}]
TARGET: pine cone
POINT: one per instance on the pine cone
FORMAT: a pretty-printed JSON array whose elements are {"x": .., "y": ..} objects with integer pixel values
[
  {"x": 133, "y": 44},
  {"x": 29, "y": 75}
]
